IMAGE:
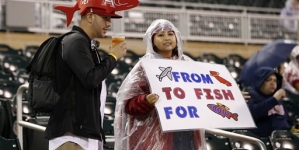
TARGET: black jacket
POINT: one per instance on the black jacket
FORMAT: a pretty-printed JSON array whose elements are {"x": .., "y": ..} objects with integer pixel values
[{"x": 78, "y": 80}]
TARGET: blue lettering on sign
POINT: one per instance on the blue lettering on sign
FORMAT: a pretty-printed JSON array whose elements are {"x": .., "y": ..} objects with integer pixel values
[
  {"x": 168, "y": 111},
  {"x": 193, "y": 77},
  {"x": 181, "y": 112}
]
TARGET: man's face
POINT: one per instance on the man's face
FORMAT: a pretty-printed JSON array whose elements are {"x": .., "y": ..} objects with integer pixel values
[
  {"x": 100, "y": 25},
  {"x": 269, "y": 85}
]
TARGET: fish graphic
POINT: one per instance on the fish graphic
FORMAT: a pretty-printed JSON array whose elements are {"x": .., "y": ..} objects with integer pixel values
[
  {"x": 165, "y": 72},
  {"x": 223, "y": 111},
  {"x": 108, "y": 7}
]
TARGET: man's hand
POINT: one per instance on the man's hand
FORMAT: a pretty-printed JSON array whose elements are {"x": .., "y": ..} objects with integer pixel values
[
  {"x": 279, "y": 94},
  {"x": 119, "y": 50}
]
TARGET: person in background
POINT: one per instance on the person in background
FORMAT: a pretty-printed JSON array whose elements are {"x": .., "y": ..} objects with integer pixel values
[
  {"x": 291, "y": 73},
  {"x": 266, "y": 103},
  {"x": 76, "y": 123},
  {"x": 289, "y": 15},
  {"x": 136, "y": 124}
]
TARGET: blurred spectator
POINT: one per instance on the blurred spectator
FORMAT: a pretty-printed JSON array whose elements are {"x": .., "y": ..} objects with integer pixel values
[
  {"x": 291, "y": 73},
  {"x": 266, "y": 104},
  {"x": 288, "y": 15}
]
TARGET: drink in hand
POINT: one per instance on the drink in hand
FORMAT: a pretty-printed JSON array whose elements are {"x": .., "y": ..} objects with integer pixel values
[{"x": 117, "y": 38}]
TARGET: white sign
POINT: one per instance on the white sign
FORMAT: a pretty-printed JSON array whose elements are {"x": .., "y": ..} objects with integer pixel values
[{"x": 194, "y": 95}]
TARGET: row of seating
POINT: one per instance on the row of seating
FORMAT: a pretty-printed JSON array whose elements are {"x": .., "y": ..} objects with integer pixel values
[
  {"x": 280, "y": 139},
  {"x": 246, "y": 3},
  {"x": 126, "y": 64}
]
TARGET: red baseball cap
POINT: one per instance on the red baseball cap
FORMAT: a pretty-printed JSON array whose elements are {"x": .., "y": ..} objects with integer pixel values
[
  {"x": 100, "y": 7},
  {"x": 101, "y": 12}
]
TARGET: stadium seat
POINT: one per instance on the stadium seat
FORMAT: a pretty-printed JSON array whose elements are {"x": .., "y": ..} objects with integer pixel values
[
  {"x": 237, "y": 144},
  {"x": 9, "y": 88},
  {"x": 215, "y": 142},
  {"x": 235, "y": 60},
  {"x": 131, "y": 58},
  {"x": 5, "y": 49},
  {"x": 234, "y": 71},
  {"x": 3, "y": 119},
  {"x": 293, "y": 110},
  {"x": 29, "y": 51},
  {"x": 198, "y": 59},
  {"x": 294, "y": 98},
  {"x": 211, "y": 58},
  {"x": 109, "y": 112},
  {"x": 21, "y": 76},
  {"x": 9, "y": 144},
  {"x": 109, "y": 117},
  {"x": 189, "y": 55},
  {"x": 122, "y": 69},
  {"x": 6, "y": 76},
  {"x": 284, "y": 140},
  {"x": 12, "y": 63},
  {"x": 113, "y": 88},
  {"x": 36, "y": 139}
]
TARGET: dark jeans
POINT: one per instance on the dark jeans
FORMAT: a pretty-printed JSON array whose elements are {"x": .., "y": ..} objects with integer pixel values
[{"x": 183, "y": 140}]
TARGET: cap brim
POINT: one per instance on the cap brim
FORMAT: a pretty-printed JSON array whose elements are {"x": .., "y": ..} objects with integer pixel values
[{"x": 115, "y": 16}]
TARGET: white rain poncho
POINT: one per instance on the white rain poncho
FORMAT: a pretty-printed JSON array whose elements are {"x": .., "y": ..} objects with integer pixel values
[
  {"x": 291, "y": 72},
  {"x": 143, "y": 131}
]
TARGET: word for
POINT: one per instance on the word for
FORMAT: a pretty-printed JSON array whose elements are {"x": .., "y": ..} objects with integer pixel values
[{"x": 181, "y": 112}]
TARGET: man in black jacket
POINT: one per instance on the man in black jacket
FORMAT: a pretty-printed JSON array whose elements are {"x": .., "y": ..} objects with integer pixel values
[{"x": 75, "y": 122}]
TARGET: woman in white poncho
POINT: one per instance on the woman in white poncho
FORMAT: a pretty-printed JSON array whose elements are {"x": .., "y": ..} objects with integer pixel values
[
  {"x": 291, "y": 72},
  {"x": 136, "y": 124}
]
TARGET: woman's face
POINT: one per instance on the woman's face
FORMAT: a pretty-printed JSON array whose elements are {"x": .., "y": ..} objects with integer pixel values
[{"x": 165, "y": 41}]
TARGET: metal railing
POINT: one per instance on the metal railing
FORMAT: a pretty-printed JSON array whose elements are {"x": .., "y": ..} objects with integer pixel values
[
  {"x": 236, "y": 136},
  {"x": 33, "y": 126},
  {"x": 20, "y": 121}
]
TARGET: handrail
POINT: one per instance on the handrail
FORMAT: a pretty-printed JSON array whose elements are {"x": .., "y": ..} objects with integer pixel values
[
  {"x": 20, "y": 121},
  {"x": 238, "y": 137},
  {"x": 33, "y": 126}
]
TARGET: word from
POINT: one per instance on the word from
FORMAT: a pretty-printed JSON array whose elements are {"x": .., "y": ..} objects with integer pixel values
[
  {"x": 183, "y": 76},
  {"x": 193, "y": 77}
]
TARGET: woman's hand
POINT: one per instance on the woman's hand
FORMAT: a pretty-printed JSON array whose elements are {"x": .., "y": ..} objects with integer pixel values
[{"x": 152, "y": 98}]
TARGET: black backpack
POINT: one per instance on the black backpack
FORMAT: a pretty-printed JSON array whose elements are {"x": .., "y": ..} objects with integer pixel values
[{"x": 41, "y": 94}]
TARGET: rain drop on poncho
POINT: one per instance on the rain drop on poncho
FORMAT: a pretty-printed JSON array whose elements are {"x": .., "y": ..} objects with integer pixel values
[{"x": 142, "y": 131}]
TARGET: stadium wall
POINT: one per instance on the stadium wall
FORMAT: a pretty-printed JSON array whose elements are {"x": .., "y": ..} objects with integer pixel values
[{"x": 20, "y": 40}]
